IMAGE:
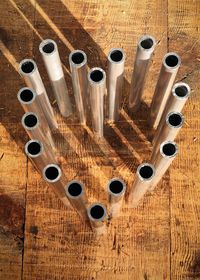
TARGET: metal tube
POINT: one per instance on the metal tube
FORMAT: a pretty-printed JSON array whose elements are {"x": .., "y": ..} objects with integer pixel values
[
  {"x": 115, "y": 80},
  {"x": 75, "y": 192},
  {"x": 40, "y": 156},
  {"x": 97, "y": 90},
  {"x": 116, "y": 191},
  {"x": 37, "y": 130},
  {"x": 162, "y": 160},
  {"x": 170, "y": 65},
  {"x": 97, "y": 216},
  {"x": 144, "y": 177},
  {"x": 50, "y": 55},
  {"x": 52, "y": 174},
  {"x": 145, "y": 49},
  {"x": 29, "y": 71},
  {"x": 79, "y": 69}
]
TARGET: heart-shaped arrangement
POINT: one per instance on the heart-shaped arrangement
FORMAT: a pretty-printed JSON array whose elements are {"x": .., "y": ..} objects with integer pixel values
[{"x": 90, "y": 88}]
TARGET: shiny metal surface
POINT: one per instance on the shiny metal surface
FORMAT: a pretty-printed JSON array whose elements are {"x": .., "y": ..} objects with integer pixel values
[{"x": 97, "y": 216}]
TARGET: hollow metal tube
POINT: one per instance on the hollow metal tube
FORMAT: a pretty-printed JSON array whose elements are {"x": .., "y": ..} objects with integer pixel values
[
  {"x": 53, "y": 175},
  {"x": 145, "y": 49},
  {"x": 36, "y": 129},
  {"x": 75, "y": 192},
  {"x": 170, "y": 65},
  {"x": 50, "y": 55},
  {"x": 115, "y": 80},
  {"x": 79, "y": 69},
  {"x": 97, "y": 215},
  {"x": 144, "y": 177},
  {"x": 29, "y": 71},
  {"x": 97, "y": 90},
  {"x": 162, "y": 160},
  {"x": 116, "y": 191},
  {"x": 39, "y": 155}
]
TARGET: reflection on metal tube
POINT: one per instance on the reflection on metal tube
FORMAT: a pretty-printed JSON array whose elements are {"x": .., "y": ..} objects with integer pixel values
[
  {"x": 170, "y": 65},
  {"x": 115, "y": 79},
  {"x": 97, "y": 217},
  {"x": 144, "y": 177},
  {"x": 78, "y": 66},
  {"x": 29, "y": 71},
  {"x": 97, "y": 89},
  {"x": 116, "y": 191},
  {"x": 145, "y": 49},
  {"x": 50, "y": 55}
]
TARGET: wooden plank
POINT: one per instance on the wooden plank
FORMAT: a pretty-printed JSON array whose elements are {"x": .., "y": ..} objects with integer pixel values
[{"x": 184, "y": 37}]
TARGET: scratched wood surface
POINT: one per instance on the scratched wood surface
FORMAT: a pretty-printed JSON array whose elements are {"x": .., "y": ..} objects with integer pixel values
[{"x": 39, "y": 238}]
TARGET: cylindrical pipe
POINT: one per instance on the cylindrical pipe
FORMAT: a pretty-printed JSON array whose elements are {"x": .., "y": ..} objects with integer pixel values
[
  {"x": 115, "y": 80},
  {"x": 29, "y": 71},
  {"x": 170, "y": 65},
  {"x": 144, "y": 177},
  {"x": 145, "y": 49},
  {"x": 97, "y": 216},
  {"x": 116, "y": 191},
  {"x": 39, "y": 155},
  {"x": 36, "y": 129},
  {"x": 162, "y": 160},
  {"x": 52, "y": 174},
  {"x": 78, "y": 66},
  {"x": 50, "y": 55},
  {"x": 97, "y": 90},
  {"x": 76, "y": 194}
]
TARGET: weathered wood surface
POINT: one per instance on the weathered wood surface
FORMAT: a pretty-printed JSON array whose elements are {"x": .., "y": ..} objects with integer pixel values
[{"x": 39, "y": 239}]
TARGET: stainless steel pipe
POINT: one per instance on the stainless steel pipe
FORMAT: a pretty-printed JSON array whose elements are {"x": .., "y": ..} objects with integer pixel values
[
  {"x": 97, "y": 216},
  {"x": 29, "y": 71},
  {"x": 116, "y": 191},
  {"x": 170, "y": 65},
  {"x": 115, "y": 81},
  {"x": 144, "y": 177},
  {"x": 145, "y": 49},
  {"x": 162, "y": 160},
  {"x": 79, "y": 69},
  {"x": 50, "y": 55},
  {"x": 97, "y": 90},
  {"x": 75, "y": 192},
  {"x": 52, "y": 174},
  {"x": 39, "y": 155}
]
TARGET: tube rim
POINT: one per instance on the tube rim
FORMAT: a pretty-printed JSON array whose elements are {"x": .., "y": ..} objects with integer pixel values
[
  {"x": 138, "y": 172},
  {"x": 26, "y": 88},
  {"x": 31, "y": 141},
  {"x": 117, "y": 49},
  {"x": 122, "y": 191},
  {"x": 177, "y": 113},
  {"x": 171, "y": 67},
  {"x": 24, "y": 61},
  {"x": 179, "y": 85},
  {"x": 54, "y": 180},
  {"x": 168, "y": 142},
  {"x": 43, "y": 43},
  {"x": 23, "y": 123},
  {"x": 94, "y": 69},
  {"x": 79, "y": 65},
  {"x": 67, "y": 191},
  {"x": 144, "y": 37},
  {"x": 100, "y": 219}
]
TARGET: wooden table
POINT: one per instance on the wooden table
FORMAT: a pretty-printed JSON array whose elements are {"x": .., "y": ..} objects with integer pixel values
[{"x": 39, "y": 238}]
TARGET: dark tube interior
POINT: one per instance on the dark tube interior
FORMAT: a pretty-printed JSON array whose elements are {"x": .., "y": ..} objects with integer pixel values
[
  {"x": 181, "y": 91},
  {"x": 146, "y": 172},
  {"x": 97, "y": 212},
  {"x": 34, "y": 148},
  {"x": 77, "y": 58},
  {"x": 169, "y": 149},
  {"x": 51, "y": 173},
  {"x": 75, "y": 189},
  {"x": 26, "y": 95},
  {"x": 175, "y": 119},
  {"x": 96, "y": 76},
  {"x": 116, "y": 187},
  {"x": 30, "y": 120},
  {"x": 48, "y": 48},
  {"x": 171, "y": 60},
  {"x": 116, "y": 56},
  {"x": 27, "y": 67},
  {"x": 147, "y": 43}
]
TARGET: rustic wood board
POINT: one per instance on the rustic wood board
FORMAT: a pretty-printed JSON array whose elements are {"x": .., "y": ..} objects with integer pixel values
[{"x": 39, "y": 238}]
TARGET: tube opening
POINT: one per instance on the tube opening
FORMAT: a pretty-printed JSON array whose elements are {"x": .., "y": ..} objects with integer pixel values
[
  {"x": 30, "y": 120},
  {"x": 181, "y": 91},
  {"x": 75, "y": 189},
  {"x": 171, "y": 60},
  {"x": 48, "y": 47},
  {"x": 77, "y": 58},
  {"x": 52, "y": 173},
  {"x": 26, "y": 95},
  {"x": 169, "y": 149},
  {"x": 97, "y": 212},
  {"x": 146, "y": 172},
  {"x": 147, "y": 43},
  {"x": 116, "y": 55},
  {"x": 27, "y": 67},
  {"x": 116, "y": 187},
  {"x": 96, "y": 76},
  {"x": 34, "y": 148},
  {"x": 175, "y": 120}
]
